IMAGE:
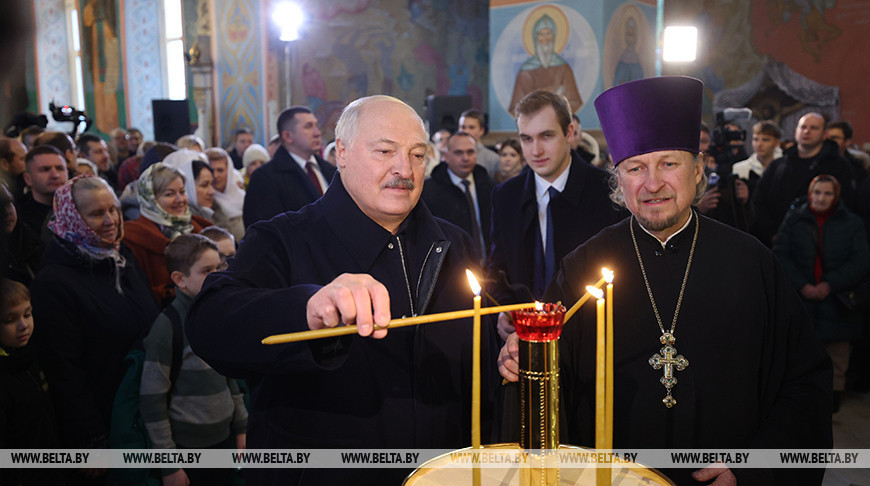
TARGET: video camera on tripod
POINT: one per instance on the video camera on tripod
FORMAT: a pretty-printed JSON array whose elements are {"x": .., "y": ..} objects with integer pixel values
[
  {"x": 729, "y": 138},
  {"x": 66, "y": 113},
  {"x": 724, "y": 134}
]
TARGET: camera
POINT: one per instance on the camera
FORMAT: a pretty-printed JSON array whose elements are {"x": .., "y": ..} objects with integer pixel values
[
  {"x": 67, "y": 113},
  {"x": 22, "y": 121},
  {"x": 727, "y": 146},
  {"x": 726, "y": 120}
]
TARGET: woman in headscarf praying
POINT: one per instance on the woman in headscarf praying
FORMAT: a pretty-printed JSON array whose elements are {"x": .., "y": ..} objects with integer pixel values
[
  {"x": 165, "y": 214},
  {"x": 229, "y": 197},
  {"x": 92, "y": 302}
]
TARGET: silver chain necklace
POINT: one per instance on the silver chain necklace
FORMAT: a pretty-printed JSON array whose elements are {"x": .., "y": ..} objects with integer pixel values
[{"x": 667, "y": 357}]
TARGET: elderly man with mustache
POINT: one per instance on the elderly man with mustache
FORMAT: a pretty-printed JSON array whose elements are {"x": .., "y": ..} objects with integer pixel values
[{"x": 366, "y": 252}]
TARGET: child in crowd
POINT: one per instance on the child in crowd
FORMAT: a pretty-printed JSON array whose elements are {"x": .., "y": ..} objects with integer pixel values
[
  {"x": 26, "y": 413},
  {"x": 203, "y": 409},
  {"x": 225, "y": 242}
]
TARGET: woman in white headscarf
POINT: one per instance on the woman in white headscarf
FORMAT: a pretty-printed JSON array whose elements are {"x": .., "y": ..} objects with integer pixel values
[{"x": 229, "y": 195}]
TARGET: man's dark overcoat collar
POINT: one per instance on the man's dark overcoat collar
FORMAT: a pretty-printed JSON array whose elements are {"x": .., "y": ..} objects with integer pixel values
[{"x": 365, "y": 239}]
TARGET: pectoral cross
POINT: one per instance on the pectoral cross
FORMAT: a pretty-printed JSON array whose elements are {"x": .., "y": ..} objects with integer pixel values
[{"x": 668, "y": 359}]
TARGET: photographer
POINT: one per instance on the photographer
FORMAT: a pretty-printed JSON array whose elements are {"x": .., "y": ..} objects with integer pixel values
[{"x": 727, "y": 197}]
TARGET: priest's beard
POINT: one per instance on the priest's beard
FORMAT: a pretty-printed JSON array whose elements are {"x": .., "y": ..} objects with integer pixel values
[
  {"x": 545, "y": 53},
  {"x": 658, "y": 225}
]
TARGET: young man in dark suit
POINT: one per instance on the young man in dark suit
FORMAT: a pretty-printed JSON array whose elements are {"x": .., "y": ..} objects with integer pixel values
[{"x": 544, "y": 213}]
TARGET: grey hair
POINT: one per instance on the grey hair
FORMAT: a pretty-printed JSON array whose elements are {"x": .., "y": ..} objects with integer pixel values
[
  {"x": 90, "y": 184},
  {"x": 348, "y": 124},
  {"x": 618, "y": 197}
]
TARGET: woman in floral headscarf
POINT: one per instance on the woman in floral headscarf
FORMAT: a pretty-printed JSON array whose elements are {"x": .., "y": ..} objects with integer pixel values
[
  {"x": 165, "y": 214},
  {"x": 91, "y": 302}
]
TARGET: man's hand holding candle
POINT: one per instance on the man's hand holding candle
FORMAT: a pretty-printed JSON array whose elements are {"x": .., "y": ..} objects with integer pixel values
[{"x": 351, "y": 299}]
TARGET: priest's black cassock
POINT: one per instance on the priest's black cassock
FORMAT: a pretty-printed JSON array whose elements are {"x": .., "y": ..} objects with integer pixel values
[{"x": 757, "y": 375}]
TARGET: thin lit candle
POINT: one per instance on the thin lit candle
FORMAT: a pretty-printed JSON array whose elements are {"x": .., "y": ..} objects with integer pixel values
[
  {"x": 574, "y": 308},
  {"x": 475, "y": 363},
  {"x": 395, "y": 323},
  {"x": 599, "y": 368},
  {"x": 608, "y": 366}
]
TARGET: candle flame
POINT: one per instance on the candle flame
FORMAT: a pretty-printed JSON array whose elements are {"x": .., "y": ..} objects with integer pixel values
[
  {"x": 608, "y": 275},
  {"x": 472, "y": 281},
  {"x": 598, "y": 293},
  {"x": 539, "y": 306}
]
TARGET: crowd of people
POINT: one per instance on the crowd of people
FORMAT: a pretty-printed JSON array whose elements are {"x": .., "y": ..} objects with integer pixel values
[{"x": 113, "y": 247}]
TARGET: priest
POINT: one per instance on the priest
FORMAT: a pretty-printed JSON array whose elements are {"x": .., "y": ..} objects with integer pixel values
[{"x": 712, "y": 347}]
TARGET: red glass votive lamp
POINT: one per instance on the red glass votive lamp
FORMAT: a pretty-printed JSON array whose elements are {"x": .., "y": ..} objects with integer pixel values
[{"x": 542, "y": 325}]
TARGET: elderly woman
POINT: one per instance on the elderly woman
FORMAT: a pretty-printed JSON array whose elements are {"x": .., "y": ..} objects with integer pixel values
[
  {"x": 165, "y": 214},
  {"x": 510, "y": 160},
  {"x": 823, "y": 249},
  {"x": 229, "y": 196},
  {"x": 91, "y": 302}
]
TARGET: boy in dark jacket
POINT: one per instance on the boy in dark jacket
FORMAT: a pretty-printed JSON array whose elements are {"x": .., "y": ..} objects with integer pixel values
[{"x": 26, "y": 413}]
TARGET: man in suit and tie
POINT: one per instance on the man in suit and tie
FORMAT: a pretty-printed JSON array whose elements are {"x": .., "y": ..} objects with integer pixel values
[
  {"x": 295, "y": 176},
  {"x": 459, "y": 191},
  {"x": 544, "y": 213}
]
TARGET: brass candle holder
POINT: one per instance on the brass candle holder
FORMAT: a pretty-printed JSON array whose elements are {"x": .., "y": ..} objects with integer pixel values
[{"x": 538, "y": 331}]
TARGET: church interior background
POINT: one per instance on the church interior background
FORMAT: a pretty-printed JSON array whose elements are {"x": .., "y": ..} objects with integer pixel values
[{"x": 414, "y": 48}]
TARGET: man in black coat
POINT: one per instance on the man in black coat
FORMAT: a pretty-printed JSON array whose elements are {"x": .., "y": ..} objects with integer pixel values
[
  {"x": 580, "y": 209},
  {"x": 295, "y": 176},
  {"x": 445, "y": 192},
  {"x": 788, "y": 177},
  {"x": 362, "y": 254}
]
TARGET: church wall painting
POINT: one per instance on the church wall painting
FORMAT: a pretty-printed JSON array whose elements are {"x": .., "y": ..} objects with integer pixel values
[
  {"x": 825, "y": 41},
  {"x": 541, "y": 46},
  {"x": 52, "y": 63},
  {"x": 628, "y": 52},
  {"x": 144, "y": 67},
  {"x": 238, "y": 63},
  {"x": 353, "y": 48},
  {"x": 603, "y": 43},
  {"x": 102, "y": 64}
]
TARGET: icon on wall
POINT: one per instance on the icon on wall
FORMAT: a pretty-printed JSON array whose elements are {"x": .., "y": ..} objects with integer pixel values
[{"x": 545, "y": 47}]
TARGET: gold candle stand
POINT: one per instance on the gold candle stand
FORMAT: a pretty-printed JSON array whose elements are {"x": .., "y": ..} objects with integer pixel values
[{"x": 539, "y": 332}]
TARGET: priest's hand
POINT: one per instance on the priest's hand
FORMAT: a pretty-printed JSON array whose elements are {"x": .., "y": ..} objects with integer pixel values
[
  {"x": 351, "y": 299},
  {"x": 509, "y": 359},
  {"x": 505, "y": 325},
  {"x": 718, "y": 471}
]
